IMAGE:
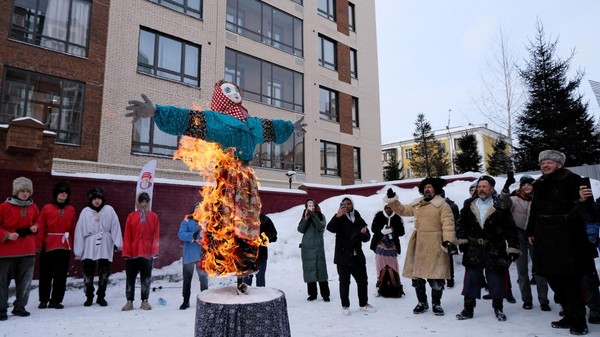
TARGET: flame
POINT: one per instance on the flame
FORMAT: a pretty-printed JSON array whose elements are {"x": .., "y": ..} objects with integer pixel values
[{"x": 229, "y": 210}]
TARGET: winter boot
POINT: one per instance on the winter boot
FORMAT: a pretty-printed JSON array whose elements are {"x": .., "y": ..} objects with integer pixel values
[
  {"x": 145, "y": 305},
  {"x": 436, "y": 300},
  {"x": 421, "y": 308},
  {"x": 594, "y": 317},
  {"x": 564, "y": 323},
  {"x": 497, "y": 305},
  {"x": 88, "y": 302},
  {"x": 185, "y": 304},
  {"x": 101, "y": 301},
  {"x": 128, "y": 306},
  {"x": 467, "y": 312},
  {"x": 3, "y": 315}
]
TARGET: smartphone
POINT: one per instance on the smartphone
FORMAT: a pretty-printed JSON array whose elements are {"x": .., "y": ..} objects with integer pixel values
[
  {"x": 342, "y": 205},
  {"x": 586, "y": 182}
]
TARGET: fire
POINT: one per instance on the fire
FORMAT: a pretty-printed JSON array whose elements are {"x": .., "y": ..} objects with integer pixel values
[{"x": 229, "y": 210}]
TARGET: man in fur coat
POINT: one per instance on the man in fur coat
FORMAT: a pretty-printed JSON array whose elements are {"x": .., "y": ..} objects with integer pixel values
[{"x": 430, "y": 242}]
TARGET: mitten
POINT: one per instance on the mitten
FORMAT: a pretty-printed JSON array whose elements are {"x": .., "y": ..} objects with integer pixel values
[
  {"x": 23, "y": 232},
  {"x": 386, "y": 230},
  {"x": 299, "y": 127},
  {"x": 140, "y": 109},
  {"x": 463, "y": 247},
  {"x": 450, "y": 247},
  {"x": 390, "y": 193}
]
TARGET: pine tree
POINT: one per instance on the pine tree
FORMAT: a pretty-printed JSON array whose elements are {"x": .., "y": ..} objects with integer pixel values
[
  {"x": 392, "y": 171},
  {"x": 427, "y": 159},
  {"x": 555, "y": 117},
  {"x": 499, "y": 160},
  {"x": 468, "y": 159}
]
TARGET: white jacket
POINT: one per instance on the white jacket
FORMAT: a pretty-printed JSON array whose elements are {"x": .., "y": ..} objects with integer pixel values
[{"x": 97, "y": 233}]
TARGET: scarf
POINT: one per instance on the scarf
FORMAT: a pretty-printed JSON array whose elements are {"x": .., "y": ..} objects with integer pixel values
[
  {"x": 19, "y": 202},
  {"x": 220, "y": 103},
  {"x": 523, "y": 195},
  {"x": 389, "y": 218}
]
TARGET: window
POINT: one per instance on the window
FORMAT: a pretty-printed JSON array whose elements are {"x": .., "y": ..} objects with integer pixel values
[
  {"x": 58, "y": 25},
  {"x": 56, "y": 102},
  {"x": 147, "y": 138},
  {"x": 188, "y": 7},
  {"x": 263, "y": 23},
  {"x": 356, "y": 163},
  {"x": 327, "y": 53},
  {"x": 264, "y": 82},
  {"x": 355, "y": 112},
  {"x": 299, "y": 2},
  {"x": 326, "y": 8},
  {"x": 328, "y": 103},
  {"x": 351, "y": 17},
  {"x": 408, "y": 153},
  {"x": 168, "y": 57},
  {"x": 442, "y": 148},
  {"x": 353, "y": 64},
  {"x": 330, "y": 159},
  {"x": 409, "y": 173},
  {"x": 389, "y": 155},
  {"x": 287, "y": 156}
]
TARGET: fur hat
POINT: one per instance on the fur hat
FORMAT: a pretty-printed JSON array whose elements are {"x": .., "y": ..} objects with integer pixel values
[
  {"x": 526, "y": 179},
  {"x": 553, "y": 155},
  {"x": 436, "y": 183},
  {"x": 488, "y": 179},
  {"x": 60, "y": 188},
  {"x": 22, "y": 184},
  {"x": 94, "y": 193}
]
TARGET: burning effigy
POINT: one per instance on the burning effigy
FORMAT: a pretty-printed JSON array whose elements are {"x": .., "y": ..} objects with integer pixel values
[{"x": 219, "y": 143}]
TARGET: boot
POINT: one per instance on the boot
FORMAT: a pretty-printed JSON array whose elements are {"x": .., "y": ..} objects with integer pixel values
[
  {"x": 128, "y": 306},
  {"x": 436, "y": 300},
  {"x": 88, "y": 302},
  {"x": 145, "y": 305},
  {"x": 467, "y": 312},
  {"x": 422, "y": 306},
  {"x": 185, "y": 304},
  {"x": 101, "y": 301},
  {"x": 497, "y": 305}
]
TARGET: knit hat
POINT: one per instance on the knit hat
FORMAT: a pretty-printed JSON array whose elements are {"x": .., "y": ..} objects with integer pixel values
[
  {"x": 553, "y": 155},
  {"x": 436, "y": 183},
  {"x": 94, "y": 193},
  {"x": 526, "y": 179},
  {"x": 22, "y": 184},
  {"x": 488, "y": 179}
]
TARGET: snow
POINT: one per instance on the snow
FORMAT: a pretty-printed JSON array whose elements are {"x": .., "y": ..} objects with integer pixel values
[{"x": 394, "y": 317}]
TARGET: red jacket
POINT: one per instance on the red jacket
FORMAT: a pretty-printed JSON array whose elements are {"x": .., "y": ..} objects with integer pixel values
[
  {"x": 13, "y": 217},
  {"x": 141, "y": 239},
  {"x": 56, "y": 227}
]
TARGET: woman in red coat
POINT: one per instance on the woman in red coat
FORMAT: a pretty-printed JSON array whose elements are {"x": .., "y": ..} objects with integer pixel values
[
  {"x": 140, "y": 247},
  {"x": 18, "y": 217}
]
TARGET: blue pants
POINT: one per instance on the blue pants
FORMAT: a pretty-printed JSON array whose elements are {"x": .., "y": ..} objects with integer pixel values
[
  {"x": 188, "y": 273},
  {"x": 473, "y": 281}
]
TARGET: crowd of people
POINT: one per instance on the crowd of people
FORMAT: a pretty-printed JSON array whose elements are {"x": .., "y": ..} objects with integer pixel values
[{"x": 550, "y": 223}]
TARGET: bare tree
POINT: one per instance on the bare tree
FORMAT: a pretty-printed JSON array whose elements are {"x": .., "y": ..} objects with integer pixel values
[{"x": 503, "y": 93}]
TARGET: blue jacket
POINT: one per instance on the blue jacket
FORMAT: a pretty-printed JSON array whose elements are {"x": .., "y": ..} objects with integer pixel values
[{"x": 192, "y": 251}]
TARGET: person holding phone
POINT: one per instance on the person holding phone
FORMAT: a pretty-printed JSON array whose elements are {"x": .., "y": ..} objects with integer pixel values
[
  {"x": 312, "y": 249},
  {"x": 350, "y": 232}
]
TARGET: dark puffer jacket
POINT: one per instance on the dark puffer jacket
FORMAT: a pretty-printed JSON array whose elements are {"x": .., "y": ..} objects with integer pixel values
[
  {"x": 556, "y": 223},
  {"x": 487, "y": 244},
  {"x": 348, "y": 238}
]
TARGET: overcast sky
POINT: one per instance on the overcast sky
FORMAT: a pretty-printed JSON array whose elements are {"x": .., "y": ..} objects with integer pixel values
[{"x": 432, "y": 53}]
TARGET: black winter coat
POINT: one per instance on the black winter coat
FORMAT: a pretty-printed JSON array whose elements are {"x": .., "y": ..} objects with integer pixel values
[
  {"x": 348, "y": 238},
  {"x": 267, "y": 227},
  {"x": 556, "y": 223},
  {"x": 498, "y": 230},
  {"x": 380, "y": 221}
]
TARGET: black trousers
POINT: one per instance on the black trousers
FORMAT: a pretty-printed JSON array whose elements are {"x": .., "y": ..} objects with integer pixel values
[
  {"x": 54, "y": 268},
  {"x": 133, "y": 267},
  {"x": 89, "y": 269},
  {"x": 312, "y": 288},
  {"x": 359, "y": 272},
  {"x": 568, "y": 292}
]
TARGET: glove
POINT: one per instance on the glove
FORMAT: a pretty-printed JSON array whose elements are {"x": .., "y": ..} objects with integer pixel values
[
  {"x": 390, "y": 193},
  {"x": 299, "y": 127},
  {"x": 463, "y": 247},
  {"x": 513, "y": 256},
  {"x": 140, "y": 109},
  {"x": 509, "y": 181},
  {"x": 23, "y": 232},
  {"x": 195, "y": 235},
  {"x": 450, "y": 247},
  {"x": 387, "y": 230}
]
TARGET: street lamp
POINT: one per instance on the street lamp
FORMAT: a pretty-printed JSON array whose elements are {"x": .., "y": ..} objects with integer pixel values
[{"x": 290, "y": 174}]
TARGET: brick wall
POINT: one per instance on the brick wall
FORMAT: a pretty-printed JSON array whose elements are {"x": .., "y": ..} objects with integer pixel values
[{"x": 25, "y": 146}]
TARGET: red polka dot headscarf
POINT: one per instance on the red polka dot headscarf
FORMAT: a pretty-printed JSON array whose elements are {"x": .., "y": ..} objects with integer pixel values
[{"x": 223, "y": 100}]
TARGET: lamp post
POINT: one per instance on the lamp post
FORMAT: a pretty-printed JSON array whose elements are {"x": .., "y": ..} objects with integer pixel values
[{"x": 290, "y": 174}]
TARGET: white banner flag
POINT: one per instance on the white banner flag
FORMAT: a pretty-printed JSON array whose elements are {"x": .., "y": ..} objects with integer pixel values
[{"x": 145, "y": 182}]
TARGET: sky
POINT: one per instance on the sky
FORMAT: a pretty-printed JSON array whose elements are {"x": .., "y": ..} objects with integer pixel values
[
  {"x": 394, "y": 317},
  {"x": 432, "y": 54}
]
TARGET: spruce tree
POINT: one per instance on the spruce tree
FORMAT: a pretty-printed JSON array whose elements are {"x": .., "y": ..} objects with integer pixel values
[
  {"x": 427, "y": 159},
  {"x": 555, "y": 116},
  {"x": 468, "y": 159},
  {"x": 392, "y": 170},
  {"x": 499, "y": 161}
]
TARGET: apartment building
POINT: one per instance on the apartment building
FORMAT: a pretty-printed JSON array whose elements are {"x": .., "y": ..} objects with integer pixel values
[{"x": 74, "y": 65}]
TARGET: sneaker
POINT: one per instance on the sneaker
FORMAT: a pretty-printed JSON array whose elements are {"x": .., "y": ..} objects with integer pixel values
[
  {"x": 594, "y": 317},
  {"x": 368, "y": 308},
  {"x": 311, "y": 298},
  {"x": 145, "y": 305},
  {"x": 20, "y": 311},
  {"x": 345, "y": 311},
  {"x": 450, "y": 283},
  {"x": 500, "y": 315},
  {"x": 527, "y": 305},
  {"x": 128, "y": 306},
  {"x": 42, "y": 305},
  {"x": 3, "y": 316},
  {"x": 420, "y": 308},
  {"x": 88, "y": 302},
  {"x": 101, "y": 301},
  {"x": 564, "y": 323},
  {"x": 326, "y": 298},
  {"x": 437, "y": 310},
  {"x": 56, "y": 306},
  {"x": 242, "y": 289},
  {"x": 465, "y": 314},
  {"x": 545, "y": 307}
]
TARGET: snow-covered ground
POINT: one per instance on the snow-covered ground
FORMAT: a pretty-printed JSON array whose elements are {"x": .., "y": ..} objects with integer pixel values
[{"x": 394, "y": 317}]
